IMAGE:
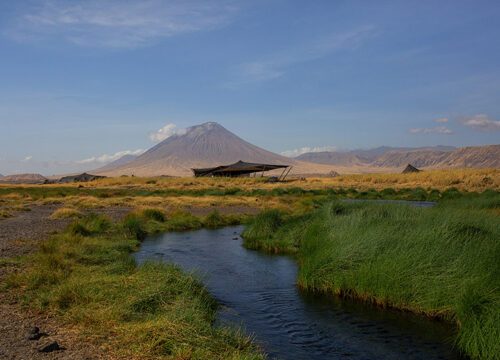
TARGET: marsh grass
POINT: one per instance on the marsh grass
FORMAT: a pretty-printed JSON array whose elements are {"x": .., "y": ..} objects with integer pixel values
[
  {"x": 4, "y": 214},
  {"x": 443, "y": 261},
  {"x": 86, "y": 277},
  {"x": 66, "y": 213}
]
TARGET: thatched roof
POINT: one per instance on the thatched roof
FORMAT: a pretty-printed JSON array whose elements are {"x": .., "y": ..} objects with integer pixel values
[{"x": 237, "y": 169}]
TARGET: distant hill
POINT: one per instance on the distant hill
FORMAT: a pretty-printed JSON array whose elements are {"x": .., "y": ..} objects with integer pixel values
[
  {"x": 205, "y": 145},
  {"x": 1, "y": 176},
  {"x": 431, "y": 158},
  {"x": 23, "y": 179},
  {"x": 383, "y": 149}
]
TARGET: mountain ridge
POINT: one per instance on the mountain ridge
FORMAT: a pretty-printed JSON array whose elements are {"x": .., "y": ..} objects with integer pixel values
[{"x": 427, "y": 158}]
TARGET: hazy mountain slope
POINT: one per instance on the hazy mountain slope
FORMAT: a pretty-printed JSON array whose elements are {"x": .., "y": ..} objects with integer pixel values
[
  {"x": 440, "y": 157},
  {"x": 383, "y": 149},
  {"x": 123, "y": 160},
  {"x": 418, "y": 158},
  {"x": 204, "y": 145},
  {"x": 336, "y": 158},
  {"x": 474, "y": 157},
  {"x": 360, "y": 157}
]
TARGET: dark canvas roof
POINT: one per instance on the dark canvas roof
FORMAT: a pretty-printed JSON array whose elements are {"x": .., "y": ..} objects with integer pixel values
[
  {"x": 238, "y": 168},
  {"x": 409, "y": 169},
  {"x": 79, "y": 178}
]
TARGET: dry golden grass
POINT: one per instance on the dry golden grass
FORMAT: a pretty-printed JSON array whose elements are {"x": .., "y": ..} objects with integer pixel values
[
  {"x": 66, "y": 213},
  {"x": 128, "y": 189},
  {"x": 90, "y": 202},
  {"x": 463, "y": 179}
]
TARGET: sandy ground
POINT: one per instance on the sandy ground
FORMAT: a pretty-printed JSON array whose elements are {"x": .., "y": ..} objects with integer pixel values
[{"x": 18, "y": 236}]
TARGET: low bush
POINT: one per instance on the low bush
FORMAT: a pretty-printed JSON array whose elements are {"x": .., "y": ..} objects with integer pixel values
[
  {"x": 134, "y": 226},
  {"x": 154, "y": 214},
  {"x": 66, "y": 213}
]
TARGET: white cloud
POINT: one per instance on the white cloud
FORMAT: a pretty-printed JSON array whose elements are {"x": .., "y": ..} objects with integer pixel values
[
  {"x": 437, "y": 130},
  {"x": 106, "y": 158},
  {"x": 119, "y": 24},
  {"x": 28, "y": 158},
  {"x": 481, "y": 122},
  {"x": 297, "y": 152},
  {"x": 274, "y": 66},
  {"x": 441, "y": 120},
  {"x": 166, "y": 132}
]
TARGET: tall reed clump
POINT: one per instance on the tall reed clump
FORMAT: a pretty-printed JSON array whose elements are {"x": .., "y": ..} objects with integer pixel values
[
  {"x": 442, "y": 261},
  {"x": 86, "y": 276}
]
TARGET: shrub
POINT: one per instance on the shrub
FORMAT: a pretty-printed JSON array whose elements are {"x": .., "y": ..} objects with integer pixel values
[
  {"x": 214, "y": 220},
  {"x": 265, "y": 224},
  {"x": 66, "y": 213},
  {"x": 134, "y": 226},
  {"x": 154, "y": 214}
]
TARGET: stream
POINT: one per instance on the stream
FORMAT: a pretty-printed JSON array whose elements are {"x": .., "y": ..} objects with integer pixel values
[{"x": 257, "y": 292}]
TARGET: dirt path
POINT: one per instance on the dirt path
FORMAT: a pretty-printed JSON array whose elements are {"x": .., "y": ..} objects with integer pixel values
[{"x": 18, "y": 236}]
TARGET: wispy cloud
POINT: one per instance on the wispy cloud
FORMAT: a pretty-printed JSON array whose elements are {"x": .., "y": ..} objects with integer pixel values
[
  {"x": 442, "y": 120},
  {"x": 275, "y": 65},
  {"x": 107, "y": 158},
  {"x": 119, "y": 24},
  {"x": 28, "y": 158},
  {"x": 166, "y": 132},
  {"x": 297, "y": 152},
  {"x": 480, "y": 122},
  {"x": 437, "y": 130}
]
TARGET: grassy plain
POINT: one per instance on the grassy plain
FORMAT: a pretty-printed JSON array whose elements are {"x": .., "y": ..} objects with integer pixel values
[
  {"x": 437, "y": 261},
  {"x": 442, "y": 261},
  {"x": 246, "y": 192}
]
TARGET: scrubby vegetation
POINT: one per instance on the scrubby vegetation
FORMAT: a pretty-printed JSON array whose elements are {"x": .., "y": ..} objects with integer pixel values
[
  {"x": 442, "y": 261},
  {"x": 86, "y": 276},
  {"x": 256, "y": 192},
  {"x": 4, "y": 214},
  {"x": 66, "y": 213}
]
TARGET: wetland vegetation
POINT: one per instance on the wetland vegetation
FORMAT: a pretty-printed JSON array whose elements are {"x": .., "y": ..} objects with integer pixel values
[{"x": 441, "y": 261}]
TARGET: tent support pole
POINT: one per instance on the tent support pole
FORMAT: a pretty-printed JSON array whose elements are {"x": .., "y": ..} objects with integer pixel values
[
  {"x": 289, "y": 168},
  {"x": 279, "y": 179}
]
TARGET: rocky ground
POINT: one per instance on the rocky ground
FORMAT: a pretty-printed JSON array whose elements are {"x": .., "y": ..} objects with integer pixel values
[{"x": 28, "y": 335}]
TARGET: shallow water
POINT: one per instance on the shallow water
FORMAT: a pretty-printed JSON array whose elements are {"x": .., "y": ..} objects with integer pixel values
[{"x": 257, "y": 291}]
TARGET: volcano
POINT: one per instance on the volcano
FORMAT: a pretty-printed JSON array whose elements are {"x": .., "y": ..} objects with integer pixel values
[{"x": 203, "y": 146}]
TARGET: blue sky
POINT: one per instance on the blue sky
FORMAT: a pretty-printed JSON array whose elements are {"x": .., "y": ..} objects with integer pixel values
[{"x": 82, "y": 82}]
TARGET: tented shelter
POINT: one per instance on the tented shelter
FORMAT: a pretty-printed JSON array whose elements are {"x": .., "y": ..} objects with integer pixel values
[
  {"x": 410, "y": 169},
  {"x": 79, "y": 178},
  {"x": 239, "y": 168}
]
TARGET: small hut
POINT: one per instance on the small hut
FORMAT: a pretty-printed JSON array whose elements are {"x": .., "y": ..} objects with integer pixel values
[
  {"x": 79, "y": 178},
  {"x": 410, "y": 169},
  {"x": 239, "y": 168}
]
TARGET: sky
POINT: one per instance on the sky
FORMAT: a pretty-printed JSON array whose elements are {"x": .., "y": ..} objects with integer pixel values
[{"x": 85, "y": 82}]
